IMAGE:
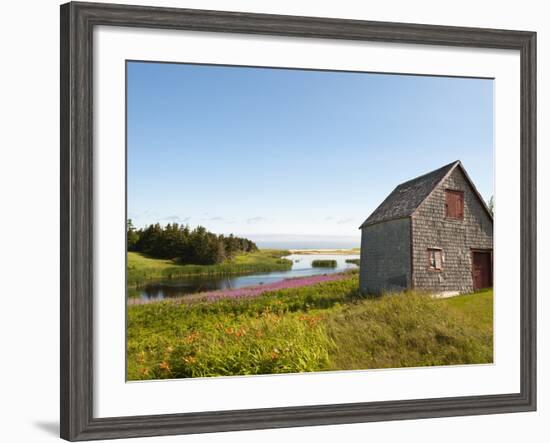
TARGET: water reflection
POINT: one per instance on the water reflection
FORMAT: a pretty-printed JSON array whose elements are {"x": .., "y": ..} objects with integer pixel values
[{"x": 301, "y": 267}]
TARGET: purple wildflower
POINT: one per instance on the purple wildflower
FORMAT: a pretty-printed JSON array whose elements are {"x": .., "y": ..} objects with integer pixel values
[{"x": 253, "y": 291}]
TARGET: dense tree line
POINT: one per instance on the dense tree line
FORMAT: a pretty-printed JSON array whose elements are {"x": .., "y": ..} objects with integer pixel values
[{"x": 187, "y": 246}]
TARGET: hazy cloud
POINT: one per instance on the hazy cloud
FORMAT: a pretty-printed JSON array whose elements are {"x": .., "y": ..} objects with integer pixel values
[
  {"x": 255, "y": 220},
  {"x": 177, "y": 218},
  {"x": 329, "y": 218},
  {"x": 343, "y": 221},
  {"x": 146, "y": 213}
]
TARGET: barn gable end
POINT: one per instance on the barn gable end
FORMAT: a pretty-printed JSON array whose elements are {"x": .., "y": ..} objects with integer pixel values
[
  {"x": 432, "y": 233},
  {"x": 456, "y": 238}
]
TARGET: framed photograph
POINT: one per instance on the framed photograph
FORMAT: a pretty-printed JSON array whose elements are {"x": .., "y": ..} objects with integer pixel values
[{"x": 272, "y": 221}]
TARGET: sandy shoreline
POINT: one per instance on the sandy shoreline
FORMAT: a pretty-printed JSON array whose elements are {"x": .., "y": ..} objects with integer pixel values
[{"x": 354, "y": 251}]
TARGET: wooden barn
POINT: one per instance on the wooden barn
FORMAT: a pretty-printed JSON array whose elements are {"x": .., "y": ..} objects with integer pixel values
[{"x": 432, "y": 233}]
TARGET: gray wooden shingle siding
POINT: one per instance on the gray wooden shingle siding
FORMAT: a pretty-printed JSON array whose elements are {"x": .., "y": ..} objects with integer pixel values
[
  {"x": 386, "y": 254},
  {"x": 456, "y": 238},
  {"x": 397, "y": 236}
]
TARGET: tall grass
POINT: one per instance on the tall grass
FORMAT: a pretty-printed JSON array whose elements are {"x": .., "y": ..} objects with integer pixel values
[
  {"x": 405, "y": 330},
  {"x": 326, "y": 326},
  {"x": 242, "y": 345}
]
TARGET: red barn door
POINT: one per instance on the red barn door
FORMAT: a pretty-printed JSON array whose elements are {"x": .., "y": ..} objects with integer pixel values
[{"x": 482, "y": 271}]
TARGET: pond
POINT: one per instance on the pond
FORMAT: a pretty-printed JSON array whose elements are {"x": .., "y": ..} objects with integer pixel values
[{"x": 301, "y": 267}]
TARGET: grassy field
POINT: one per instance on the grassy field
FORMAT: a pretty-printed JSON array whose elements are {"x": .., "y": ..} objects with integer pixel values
[
  {"x": 327, "y": 326},
  {"x": 142, "y": 269}
]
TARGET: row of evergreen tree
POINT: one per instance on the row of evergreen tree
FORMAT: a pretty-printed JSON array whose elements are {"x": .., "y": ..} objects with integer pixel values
[{"x": 187, "y": 246}]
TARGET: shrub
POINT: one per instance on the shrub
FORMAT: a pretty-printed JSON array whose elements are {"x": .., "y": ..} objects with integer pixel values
[
  {"x": 353, "y": 261},
  {"x": 323, "y": 263}
]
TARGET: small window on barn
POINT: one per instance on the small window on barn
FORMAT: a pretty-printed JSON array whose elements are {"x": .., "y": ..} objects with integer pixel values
[
  {"x": 454, "y": 204},
  {"x": 435, "y": 259}
]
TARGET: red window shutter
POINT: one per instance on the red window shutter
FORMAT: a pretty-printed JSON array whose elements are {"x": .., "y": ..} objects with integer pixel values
[
  {"x": 454, "y": 204},
  {"x": 455, "y": 212},
  {"x": 450, "y": 204}
]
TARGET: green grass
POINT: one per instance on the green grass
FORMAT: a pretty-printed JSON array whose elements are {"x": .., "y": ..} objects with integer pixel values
[
  {"x": 407, "y": 330},
  {"x": 323, "y": 263},
  {"x": 142, "y": 269},
  {"x": 477, "y": 306},
  {"x": 327, "y": 326}
]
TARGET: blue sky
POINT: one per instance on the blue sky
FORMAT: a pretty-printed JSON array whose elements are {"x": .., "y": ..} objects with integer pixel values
[{"x": 293, "y": 154}]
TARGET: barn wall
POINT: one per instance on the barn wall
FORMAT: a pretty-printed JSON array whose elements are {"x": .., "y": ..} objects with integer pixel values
[
  {"x": 456, "y": 237},
  {"x": 385, "y": 256}
]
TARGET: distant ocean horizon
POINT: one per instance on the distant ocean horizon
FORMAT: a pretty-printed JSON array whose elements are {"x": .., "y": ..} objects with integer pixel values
[{"x": 297, "y": 244}]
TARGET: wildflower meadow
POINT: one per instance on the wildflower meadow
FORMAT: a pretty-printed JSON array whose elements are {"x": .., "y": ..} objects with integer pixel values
[{"x": 294, "y": 327}]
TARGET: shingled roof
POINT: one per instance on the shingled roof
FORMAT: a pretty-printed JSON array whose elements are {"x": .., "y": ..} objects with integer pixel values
[{"x": 406, "y": 197}]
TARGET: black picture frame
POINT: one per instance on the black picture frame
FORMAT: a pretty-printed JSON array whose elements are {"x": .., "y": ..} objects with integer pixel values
[{"x": 77, "y": 23}]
